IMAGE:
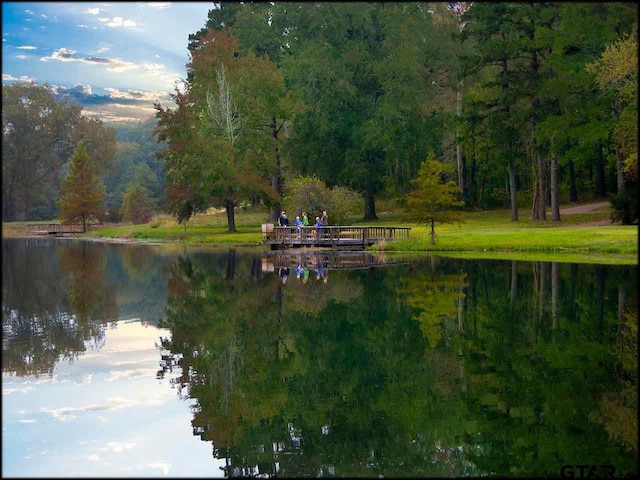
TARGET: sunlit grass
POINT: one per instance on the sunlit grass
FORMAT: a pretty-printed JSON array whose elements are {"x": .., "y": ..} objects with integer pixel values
[{"x": 483, "y": 233}]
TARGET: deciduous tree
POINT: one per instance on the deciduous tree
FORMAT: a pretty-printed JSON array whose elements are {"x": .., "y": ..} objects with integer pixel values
[{"x": 137, "y": 204}]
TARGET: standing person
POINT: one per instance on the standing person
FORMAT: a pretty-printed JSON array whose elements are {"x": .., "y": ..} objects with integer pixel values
[
  {"x": 318, "y": 225},
  {"x": 297, "y": 222},
  {"x": 305, "y": 223},
  {"x": 324, "y": 220},
  {"x": 283, "y": 221}
]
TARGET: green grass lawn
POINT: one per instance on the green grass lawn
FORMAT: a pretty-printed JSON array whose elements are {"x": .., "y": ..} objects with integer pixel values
[{"x": 484, "y": 234}]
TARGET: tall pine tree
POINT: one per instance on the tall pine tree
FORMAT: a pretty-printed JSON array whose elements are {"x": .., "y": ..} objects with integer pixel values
[{"x": 82, "y": 191}]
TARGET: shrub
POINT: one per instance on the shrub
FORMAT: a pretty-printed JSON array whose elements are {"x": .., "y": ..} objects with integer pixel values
[
  {"x": 137, "y": 205},
  {"x": 625, "y": 207},
  {"x": 311, "y": 195}
]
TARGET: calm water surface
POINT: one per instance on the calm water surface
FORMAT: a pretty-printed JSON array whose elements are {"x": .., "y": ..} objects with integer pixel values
[{"x": 139, "y": 360}]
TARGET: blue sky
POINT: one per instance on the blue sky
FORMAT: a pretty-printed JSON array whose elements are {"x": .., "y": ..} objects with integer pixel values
[
  {"x": 104, "y": 414},
  {"x": 114, "y": 58}
]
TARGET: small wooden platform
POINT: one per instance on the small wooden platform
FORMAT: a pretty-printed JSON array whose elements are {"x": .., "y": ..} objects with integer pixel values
[
  {"x": 57, "y": 229},
  {"x": 342, "y": 237}
]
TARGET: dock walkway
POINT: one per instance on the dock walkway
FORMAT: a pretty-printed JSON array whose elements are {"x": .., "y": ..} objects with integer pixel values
[{"x": 336, "y": 237}]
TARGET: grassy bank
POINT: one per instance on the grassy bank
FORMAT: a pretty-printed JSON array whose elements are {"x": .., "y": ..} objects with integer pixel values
[{"x": 486, "y": 234}]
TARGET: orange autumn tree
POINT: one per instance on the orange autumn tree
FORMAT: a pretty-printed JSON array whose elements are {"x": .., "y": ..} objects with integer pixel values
[{"x": 83, "y": 194}]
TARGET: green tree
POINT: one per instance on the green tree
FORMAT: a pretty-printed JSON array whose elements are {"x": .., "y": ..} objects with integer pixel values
[
  {"x": 221, "y": 136},
  {"x": 137, "y": 204},
  {"x": 39, "y": 135},
  {"x": 311, "y": 195},
  {"x": 432, "y": 199},
  {"x": 82, "y": 191}
]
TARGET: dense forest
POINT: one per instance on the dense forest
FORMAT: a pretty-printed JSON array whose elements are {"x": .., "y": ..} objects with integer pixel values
[
  {"x": 40, "y": 136},
  {"x": 534, "y": 103},
  {"x": 530, "y": 104}
]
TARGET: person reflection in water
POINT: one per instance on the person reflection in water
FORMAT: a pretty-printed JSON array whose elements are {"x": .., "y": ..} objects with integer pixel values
[
  {"x": 284, "y": 273},
  {"x": 299, "y": 271}
]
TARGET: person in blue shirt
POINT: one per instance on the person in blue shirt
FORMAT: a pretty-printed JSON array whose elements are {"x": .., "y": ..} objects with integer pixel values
[{"x": 297, "y": 222}]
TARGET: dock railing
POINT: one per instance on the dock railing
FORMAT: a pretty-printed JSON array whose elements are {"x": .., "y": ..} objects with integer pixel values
[{"x": 332, "y": 234}]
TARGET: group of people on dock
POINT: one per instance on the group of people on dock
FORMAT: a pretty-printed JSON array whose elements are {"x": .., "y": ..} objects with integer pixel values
[{"x": 302, "y": 221}]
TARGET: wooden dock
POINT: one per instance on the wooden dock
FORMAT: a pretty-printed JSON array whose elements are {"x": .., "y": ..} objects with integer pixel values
[
  {"x": 339, "y": 237},
  {"x": 57, "y": 229}
]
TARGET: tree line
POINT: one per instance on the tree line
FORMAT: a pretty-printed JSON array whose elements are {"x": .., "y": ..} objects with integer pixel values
[
  {"x": 42, "y": 136},
  {"x": 531, "y": 104}
]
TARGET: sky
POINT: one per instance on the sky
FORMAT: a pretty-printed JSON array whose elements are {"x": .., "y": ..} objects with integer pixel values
[
  {"x": 104, "y": 414},
  {"x": 115, "y": 59}
]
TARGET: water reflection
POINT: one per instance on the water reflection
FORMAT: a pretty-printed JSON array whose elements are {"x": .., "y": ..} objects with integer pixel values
[
  {"x": 58, "y": 297},
  {"x": 437, "y": 368},
  {"x": 423, "y": 367}
]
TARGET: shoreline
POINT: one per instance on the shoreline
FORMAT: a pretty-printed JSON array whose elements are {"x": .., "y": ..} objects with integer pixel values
[{"x": 563, "y": 255}]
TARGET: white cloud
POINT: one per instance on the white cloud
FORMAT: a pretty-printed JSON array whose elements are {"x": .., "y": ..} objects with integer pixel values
[
  {"x": 93, "y": 458},
  {"x": 112, "y": 64},
  {"x": 114, "y": 403},
  {"x": 132, "y": 374},
  {"x": 117, "y": 22},
  {"x": 21, "y": 57},
  {"x": 9, "y": 390},
  {"x": 102, "y": 50},
  {"x": 117, "y": 447},
  {"x": 27, "y": 420},
  {"x": 30, "y": 12},
  {"x": 27, "y": 47},
  {"x": 162, "y": 466},
  {"x": 83, "y": 26},
  {"x": 159, "y": 5},
  {"x": 92, "y": 11},
  {"x": 63, "y": 55},
  {"x": 43, "y": 16},
  {"x": 135, "y": 95}
]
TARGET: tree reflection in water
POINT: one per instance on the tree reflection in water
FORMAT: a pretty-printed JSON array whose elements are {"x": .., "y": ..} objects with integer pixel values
[
  {"x": 437, "y": 368},
  {"x": 55, "y": 304}
]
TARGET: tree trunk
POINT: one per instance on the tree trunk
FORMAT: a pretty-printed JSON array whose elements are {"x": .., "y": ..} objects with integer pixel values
[
  {"x": 573, "y": 192},
  {"x": 84, "y": 223},
  {"x": 231, "y": 219},
  {"x": 370, "y": 208},
  {"x": 619, "y": 169},
  {"x": 460, "y": 160},
  {"x": 573, "y": 279},
  {"x": 600, "y": 286},
  {"x": 555, "y": 206},
  {"x": 538, "y": 209},
  {"x": 514, "y": 285},
  {"x": 512, "y": 185},
  {"x": 231, "y": 264},
  {"x": 276, "y": 178},
  {"x": 433, "y": 232},
  {"x": 601, "y": 188},
  {"x": 555, "y": 293},
  {"x": 473, "y": 187}
]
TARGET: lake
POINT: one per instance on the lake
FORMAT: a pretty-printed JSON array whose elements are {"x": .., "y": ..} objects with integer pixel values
[{"x": 163, "y": 360}]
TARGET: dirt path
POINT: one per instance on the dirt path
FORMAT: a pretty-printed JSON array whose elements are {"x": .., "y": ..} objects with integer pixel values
[{"x": 583, "y": 208}]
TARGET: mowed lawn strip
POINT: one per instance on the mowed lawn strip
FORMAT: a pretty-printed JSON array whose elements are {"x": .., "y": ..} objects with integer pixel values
[{"x": 482, "y": 232}]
